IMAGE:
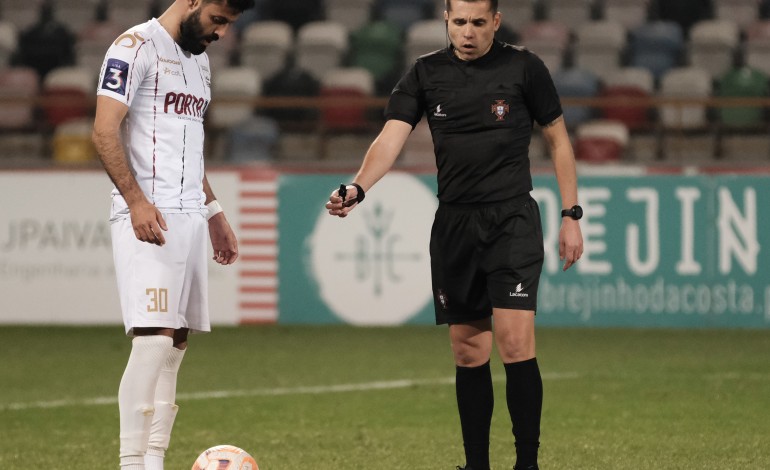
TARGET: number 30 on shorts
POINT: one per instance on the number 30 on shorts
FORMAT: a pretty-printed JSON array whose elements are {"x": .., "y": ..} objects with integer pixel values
[{"x": 158, "y": 300}]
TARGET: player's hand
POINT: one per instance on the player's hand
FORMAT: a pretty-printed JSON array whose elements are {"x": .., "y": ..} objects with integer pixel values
[
  {"x": 339, "y": 207},
  {"x": 148, "y": 223},
  {"x": 570, "y": 242},
  {"x": 223, "y": 240}
]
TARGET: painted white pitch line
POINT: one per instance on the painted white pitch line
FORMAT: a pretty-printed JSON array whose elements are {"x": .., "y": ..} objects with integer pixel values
[{"x": 306, "y": 390}]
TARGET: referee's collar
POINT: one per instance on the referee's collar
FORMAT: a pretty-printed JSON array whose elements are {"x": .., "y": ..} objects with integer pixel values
[{"x": 497, "y": 46}]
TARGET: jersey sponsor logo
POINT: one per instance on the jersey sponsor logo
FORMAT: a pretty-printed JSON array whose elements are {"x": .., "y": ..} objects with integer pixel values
[
  {"x": 170, "y": 61},
  {"x": 518, "y": 292},
  {"x": 500, "y": 109},
  {"x": 185, "y": 104},
  {"x": 115, "y": 75},
  {"x": 439, "y": 112}
]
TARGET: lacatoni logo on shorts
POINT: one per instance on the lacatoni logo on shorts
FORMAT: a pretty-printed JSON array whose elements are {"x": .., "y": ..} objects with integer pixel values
[
  {"x": 518, "y": 292},
  {"x": 373, "y": 267}
]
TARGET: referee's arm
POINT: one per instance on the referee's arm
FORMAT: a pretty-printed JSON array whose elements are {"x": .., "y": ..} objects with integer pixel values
[
  {"x": 383, "y": 153},
  {"x": 378, "y": 160},
  {"x": 560, "y": 147}
]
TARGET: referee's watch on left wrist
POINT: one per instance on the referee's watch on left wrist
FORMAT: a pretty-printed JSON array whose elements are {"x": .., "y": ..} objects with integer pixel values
[{"x": 575, "y": 212}]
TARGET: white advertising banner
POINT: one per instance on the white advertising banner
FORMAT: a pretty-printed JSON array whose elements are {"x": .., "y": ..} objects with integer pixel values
[{"x": 56, "y": 255}]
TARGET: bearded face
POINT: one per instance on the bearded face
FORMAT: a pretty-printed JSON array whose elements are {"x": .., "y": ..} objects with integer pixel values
[{"x": 192, "y": 37}]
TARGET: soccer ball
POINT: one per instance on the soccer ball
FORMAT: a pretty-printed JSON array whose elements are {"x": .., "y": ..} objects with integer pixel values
[{"x": 225, "y": 457}]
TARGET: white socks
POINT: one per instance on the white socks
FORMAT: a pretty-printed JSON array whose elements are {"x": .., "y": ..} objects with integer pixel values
[
  {"x": 165, "y": 411},
  {"x": 136, "y": 397}
]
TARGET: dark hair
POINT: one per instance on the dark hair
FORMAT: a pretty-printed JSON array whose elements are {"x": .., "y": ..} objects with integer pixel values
[
  {"x": 492, "y": 4},
  {"x": 239, "y": 5}
]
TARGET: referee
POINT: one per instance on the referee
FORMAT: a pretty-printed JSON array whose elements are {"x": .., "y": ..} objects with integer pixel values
[{"x": 481, "y": 98}]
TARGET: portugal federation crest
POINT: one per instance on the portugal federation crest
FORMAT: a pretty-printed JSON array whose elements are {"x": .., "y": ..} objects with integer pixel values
[{"x": 500, "y": 109}]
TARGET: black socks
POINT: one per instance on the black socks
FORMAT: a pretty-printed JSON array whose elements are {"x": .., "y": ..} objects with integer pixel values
[
  {"x": 524, "y": 394},
  {"x": 475, "y": 401}
]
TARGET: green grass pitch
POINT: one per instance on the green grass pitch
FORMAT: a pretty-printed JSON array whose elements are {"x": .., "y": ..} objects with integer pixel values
[{"x": 346, "y": 398}]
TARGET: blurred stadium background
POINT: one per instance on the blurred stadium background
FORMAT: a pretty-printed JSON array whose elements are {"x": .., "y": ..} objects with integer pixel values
[
  {"x": 667, "y": 82},
  {"x": 654, "y": 346}
]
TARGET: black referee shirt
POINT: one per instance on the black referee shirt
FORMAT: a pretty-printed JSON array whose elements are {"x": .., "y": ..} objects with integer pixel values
[{"x": 480, "y": 114}]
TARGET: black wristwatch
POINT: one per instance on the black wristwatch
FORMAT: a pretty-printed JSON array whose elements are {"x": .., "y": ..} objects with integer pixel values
[{"x": 575, "y": 212}]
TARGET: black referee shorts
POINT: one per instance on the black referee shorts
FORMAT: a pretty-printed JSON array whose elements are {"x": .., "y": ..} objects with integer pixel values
[{"x": 485, "y": 256}]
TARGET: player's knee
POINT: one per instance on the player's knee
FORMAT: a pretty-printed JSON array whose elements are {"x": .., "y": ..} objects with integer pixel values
[
  {"x": 516, "y": 349},
  {"x": 466, "y": 355}
]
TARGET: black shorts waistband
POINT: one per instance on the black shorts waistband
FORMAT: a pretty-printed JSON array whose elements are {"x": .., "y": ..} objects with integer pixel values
[{"x": 521, "y": 198}]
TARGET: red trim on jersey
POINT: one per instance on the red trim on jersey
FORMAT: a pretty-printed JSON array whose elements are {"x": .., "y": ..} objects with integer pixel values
[{"x": 155, "y": 119}]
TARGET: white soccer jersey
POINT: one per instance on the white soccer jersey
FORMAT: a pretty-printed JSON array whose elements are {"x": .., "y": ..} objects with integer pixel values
[{"x": 167, "y": 91}]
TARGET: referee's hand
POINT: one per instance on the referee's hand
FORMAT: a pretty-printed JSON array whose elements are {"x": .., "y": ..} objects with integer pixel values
[
  {"x": 340, "y": 206},
  {"x": 570, "y": 242}
]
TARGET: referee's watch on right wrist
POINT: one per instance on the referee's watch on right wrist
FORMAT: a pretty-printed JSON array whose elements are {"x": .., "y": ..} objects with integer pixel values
[{"x": 575, "y": 212}]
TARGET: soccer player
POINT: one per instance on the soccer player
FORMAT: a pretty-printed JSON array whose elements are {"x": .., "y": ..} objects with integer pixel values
[
  {"x": 152, "y": 96},
  {"x": 481, "y": 97}
]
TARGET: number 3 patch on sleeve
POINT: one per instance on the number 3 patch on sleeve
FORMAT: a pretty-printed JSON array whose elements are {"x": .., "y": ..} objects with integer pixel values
[{"x": 115, "y": 75}]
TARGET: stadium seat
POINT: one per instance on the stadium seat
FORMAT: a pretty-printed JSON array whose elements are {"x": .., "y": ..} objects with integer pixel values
[
  {"x": 72, "y": 142},
  {"x": 24, "y": 13},
  {"x": 352, "y": 14},
  {"x": 757, "y": 48},
  {"x": 687, "y": 135},
  {"x": 403, "y": 13},
  {"x": 740, "y": 12},
  {"x": 265, "y": 46},
  {"x": 713, "y": 45},
  {"x": 251, "y": 140},
  {"x": 130, "y": 13},
  {"x": 743, "y": 82},
  {"x": 548, "y": 40},
  {"x": 233, "y": 90},
  {"x": 377, "y": 48},
  {"x": 632, "y": 116},
  {"x": 685, "y": 82},
  {"x": 347, "y": 82},
  {"x": 76, "y": 14},
  {"x": 222, "y": 54},
  {"x": 638, "y": 77},
  {"x": 657, "y": 46},
  {"x": 600, "y": 141},
  {"x": 515, "y": 13},
  {"x": 67, "y": 93},
  {"x": 20, "y": 83},
  {"x": 8, "y": 36},
  {"x": 599, "y": 47},
  {"x": 93, "y": 41},
  {"x": 423, "y": 37},
  {"x": 321, "y": 46},
  {"x": 573, "y": 13},
  {"x": 630, "y": 13},
  {"x": 576, "y": 83}
]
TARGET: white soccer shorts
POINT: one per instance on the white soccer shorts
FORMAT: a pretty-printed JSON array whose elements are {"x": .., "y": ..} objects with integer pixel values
[{"x": 163, "y": 286}]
